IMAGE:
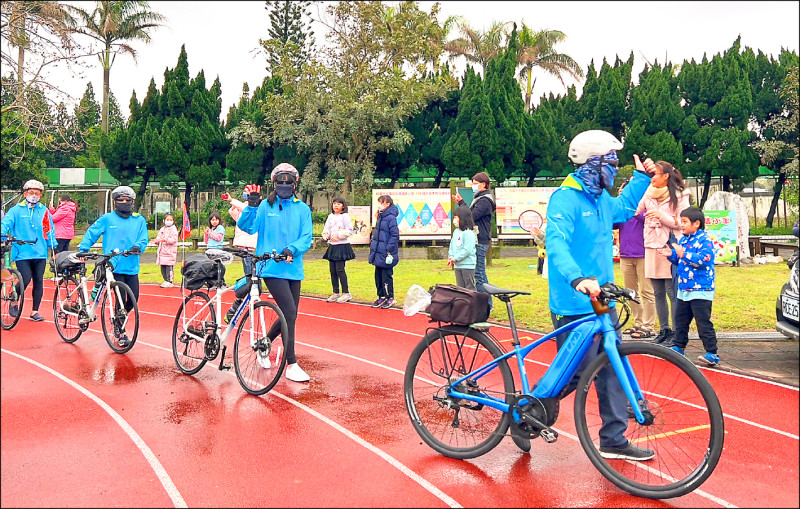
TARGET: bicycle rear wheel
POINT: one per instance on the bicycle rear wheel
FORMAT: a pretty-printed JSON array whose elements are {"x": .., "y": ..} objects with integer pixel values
[
  {"x": 259, "y": 361},
  {"x": 120, "y": 322},
  {"x": 194, "y": 313},
  {"x": 456, "y": 428},
  {"x": 685, "y": 428},
  {"x": 68, "y": 304},
  {"x": 12, "y": 294}
]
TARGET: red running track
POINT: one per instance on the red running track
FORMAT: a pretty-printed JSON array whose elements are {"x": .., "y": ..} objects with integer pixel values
[{"x": 83, "y": 426}]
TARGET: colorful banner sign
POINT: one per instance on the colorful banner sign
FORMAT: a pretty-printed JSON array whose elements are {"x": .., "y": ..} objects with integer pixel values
[
  {"x": 721, "y": 229},
  {"x": 423, "y": 212},
  {"x": 513, "y": 201},
  {"x": 360, "y": 216}
]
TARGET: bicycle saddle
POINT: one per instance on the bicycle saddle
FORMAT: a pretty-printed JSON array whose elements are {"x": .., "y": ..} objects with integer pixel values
[
  {"x": 494, "y": 290},
  {"x": 219, "y": 255}
]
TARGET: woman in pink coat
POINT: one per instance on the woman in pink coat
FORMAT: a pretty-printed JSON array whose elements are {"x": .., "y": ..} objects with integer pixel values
[
  {"x": 663, "y": 202},
  {"x": 167, "y": 251},
  {"x": 64, "y": 221}
]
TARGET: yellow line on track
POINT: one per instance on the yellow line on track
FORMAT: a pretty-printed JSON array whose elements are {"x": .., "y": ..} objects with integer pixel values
[{"x": 670, "y": 433}]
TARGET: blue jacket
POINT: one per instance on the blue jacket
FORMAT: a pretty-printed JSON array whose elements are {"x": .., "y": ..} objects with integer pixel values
[
  {"x": 287, "y": 223},
  {"x": 462, "y": 249},
  {"x": 695, "y": 273},
  {"x": 385, "y": 238},
  {"x": 26, "y": 223},
  {"x": 118, "y": 233},
  {"x": 579, "y": 238}
]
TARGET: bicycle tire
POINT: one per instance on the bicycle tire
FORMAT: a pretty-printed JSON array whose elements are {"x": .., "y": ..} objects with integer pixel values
[
  {"x": 259, "y": 367},
  {"x": 442, "y": 355},
  {"x": 111, "y": 335},
  {"x": 13, "y": 293},
  {"x": 686, "y": 433},
  {"x": 67, "y": 326},
  {"x": 181, "y": 344}
]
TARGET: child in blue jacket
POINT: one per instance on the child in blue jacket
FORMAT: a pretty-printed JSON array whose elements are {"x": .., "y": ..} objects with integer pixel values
[
  {"x": 121, "y": 230},
  {"x": 694, "y": 256},
  {"x": 30, "y": 220},
  {"x": 463, "y": 251}
]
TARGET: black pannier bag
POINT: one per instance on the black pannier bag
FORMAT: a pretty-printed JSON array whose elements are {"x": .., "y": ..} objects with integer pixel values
[
  {"x": 63, "y": 265},
  {"x": 453, "y": 304},
  {"x": 200, "y": 270}
]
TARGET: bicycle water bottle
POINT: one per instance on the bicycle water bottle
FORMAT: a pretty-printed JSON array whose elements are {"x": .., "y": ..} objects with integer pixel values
[
  {"x": 7, "y": 258},
  {"x": 94, "y": 291},
  {"x": 566, "y": 361}
]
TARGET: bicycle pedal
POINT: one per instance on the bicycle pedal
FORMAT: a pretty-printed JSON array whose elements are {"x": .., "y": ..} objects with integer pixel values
[
  {"x": 224, "y": 367},
  {"x": 549, "y": 435}
]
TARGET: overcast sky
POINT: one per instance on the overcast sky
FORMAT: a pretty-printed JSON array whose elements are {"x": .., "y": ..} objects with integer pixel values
[{"x": 221, "y": 37}]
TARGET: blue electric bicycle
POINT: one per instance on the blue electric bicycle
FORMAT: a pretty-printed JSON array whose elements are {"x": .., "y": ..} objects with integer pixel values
[{"x": 461, "y": 396}]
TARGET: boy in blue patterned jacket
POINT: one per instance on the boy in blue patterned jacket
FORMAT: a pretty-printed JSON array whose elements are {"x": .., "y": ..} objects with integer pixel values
[{"x": 694, "y": 256}]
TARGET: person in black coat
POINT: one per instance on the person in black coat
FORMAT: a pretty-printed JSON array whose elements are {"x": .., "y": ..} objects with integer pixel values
[
  {"x": 482, "y": 207},
  {"x": 383, "y": 252}
]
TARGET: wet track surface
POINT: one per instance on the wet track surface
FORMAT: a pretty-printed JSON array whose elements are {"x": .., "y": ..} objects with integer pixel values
[{"x": 83, "y": 426}]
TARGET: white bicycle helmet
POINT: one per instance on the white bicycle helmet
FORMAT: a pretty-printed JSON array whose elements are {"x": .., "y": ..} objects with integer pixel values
[
  {"x": 125, "y": 191},
  {"x": 592, "y": 143},
  {"x": 33, "y": 184},
  {"x": 284, "y": 169}
]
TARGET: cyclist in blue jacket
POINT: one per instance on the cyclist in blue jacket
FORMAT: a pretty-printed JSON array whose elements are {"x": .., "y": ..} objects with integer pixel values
[
  {"x": 580, "y": 218},
  {"x": 26, "y": 221},
  {"x": 121, "y": 230},
  {"x": 283, "y": 223}
]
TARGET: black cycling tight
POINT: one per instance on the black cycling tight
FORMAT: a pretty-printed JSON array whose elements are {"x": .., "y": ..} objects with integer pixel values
[
  {"x": 286, "y": 293},
  {"x": 33, "y": 269}
]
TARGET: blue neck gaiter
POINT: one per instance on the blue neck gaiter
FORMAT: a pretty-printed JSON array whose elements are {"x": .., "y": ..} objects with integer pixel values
[{"x": 596, "y": 176}]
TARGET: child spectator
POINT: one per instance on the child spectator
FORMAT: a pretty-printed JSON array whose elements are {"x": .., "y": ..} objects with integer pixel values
[
  {"x": 694, "y": 256},
  {"x": 383, "y": 252},
  {"x": 167, "y": 250},
  {"x": 462, "y": 252},
  {"x": 337, "y": 232},
  {"x": 215, "y": 234}
]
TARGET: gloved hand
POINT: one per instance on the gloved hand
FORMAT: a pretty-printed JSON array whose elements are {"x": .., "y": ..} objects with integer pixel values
[
  {"x": 253, "y": 194},
  {"x": 287, "y": 252},
  {"x": 135, "y": 250}
]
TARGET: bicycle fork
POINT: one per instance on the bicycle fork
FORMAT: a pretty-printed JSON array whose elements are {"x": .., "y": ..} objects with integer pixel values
[{"x": 627, "y": 379}]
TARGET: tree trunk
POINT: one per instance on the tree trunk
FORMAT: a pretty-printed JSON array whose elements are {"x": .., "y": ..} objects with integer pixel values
[
  {"x": 726, "y": 183},
  {"x": 106, "y": 76},
  {"x": 529, "y": 92},
  {"x": 142, "y": 189},
  {"x": 773, "y": 206},
  {"x": 706, "y": 185},
  {"x": 187, "y": 197},
  {"x": 439, "y": 175}
]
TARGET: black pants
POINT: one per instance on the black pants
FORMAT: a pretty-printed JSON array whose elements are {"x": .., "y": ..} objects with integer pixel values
[
  {"x": 166, "y": 272},
  {"x": 384, "y": 281},
  {"x": 33, "y": 270},
  {"x": 338, "y": 274},
  {"x": 63, "y": 245},
  {"x": 700, "y": 310},
  {"x": 286, "y": 293},
  {"x": 132, "y": 280}
]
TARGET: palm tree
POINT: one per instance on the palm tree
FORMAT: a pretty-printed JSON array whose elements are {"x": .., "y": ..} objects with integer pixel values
[
  {"x": 113, "y": 23},
  {"x": 536, "y": 49},
  {"x": 476, "y": 46}
]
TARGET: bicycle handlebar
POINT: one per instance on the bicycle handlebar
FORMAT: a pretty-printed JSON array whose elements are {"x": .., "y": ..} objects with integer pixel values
[
  {"x": 13, "y": 240},
  {"x": 610, "y": 291},
  {"x": 243, "y": 253},
  {"x": 97, "y": 256}
]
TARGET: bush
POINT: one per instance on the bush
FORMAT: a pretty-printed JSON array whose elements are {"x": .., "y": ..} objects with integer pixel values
[
  {"x": 778, "y": 230},
  {"x": 319, "y": 217}
]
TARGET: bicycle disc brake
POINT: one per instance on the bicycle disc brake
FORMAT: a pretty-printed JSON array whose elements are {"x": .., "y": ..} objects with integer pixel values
[{"x": 534, "y": 416}]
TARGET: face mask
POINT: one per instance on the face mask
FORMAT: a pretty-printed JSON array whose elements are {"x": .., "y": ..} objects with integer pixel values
[
  {"x": 284, "y": 191},
  {"x": 476, "y": 188},
  {"x": 124, "y": 209},
  {"x": 168, "y": 223},
  {"x": 607, "y": 175},
  {"x": 33, "y": 199}
]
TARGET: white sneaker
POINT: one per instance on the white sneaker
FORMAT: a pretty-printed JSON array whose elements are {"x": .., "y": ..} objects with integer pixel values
[
  {"x": 296, "y": 374},
  {"x": 344, "y": 298},
  {"x": 333, "y": 297},
  {"x": 166, "y": 284}
]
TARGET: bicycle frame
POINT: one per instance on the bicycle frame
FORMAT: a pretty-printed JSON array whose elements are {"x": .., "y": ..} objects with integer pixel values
[
  {"x": 557, "y": 370},
  {"x": 93, "y": 305}
]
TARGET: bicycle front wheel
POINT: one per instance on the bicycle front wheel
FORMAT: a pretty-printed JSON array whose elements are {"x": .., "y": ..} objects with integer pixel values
[
  {"x": 120, "y": 317},
  {"x": 453, "y": 427},
  {"x": 68, "y": 304},
  {"x": 12, "y": 293},
  {"x": 259, "y": 358},
  {"x": 193, "y": 315},
  {"x": 684, "y": 425}
]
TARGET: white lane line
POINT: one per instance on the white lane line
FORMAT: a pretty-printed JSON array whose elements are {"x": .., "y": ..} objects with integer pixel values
[
  {"x": 424, "y": 483},
  {"x": 733, "y": 417},
  {"x": 161, "y": 473}
]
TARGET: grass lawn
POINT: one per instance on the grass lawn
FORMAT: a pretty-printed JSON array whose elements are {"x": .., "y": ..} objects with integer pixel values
[{"x": 744, "y": 301}]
